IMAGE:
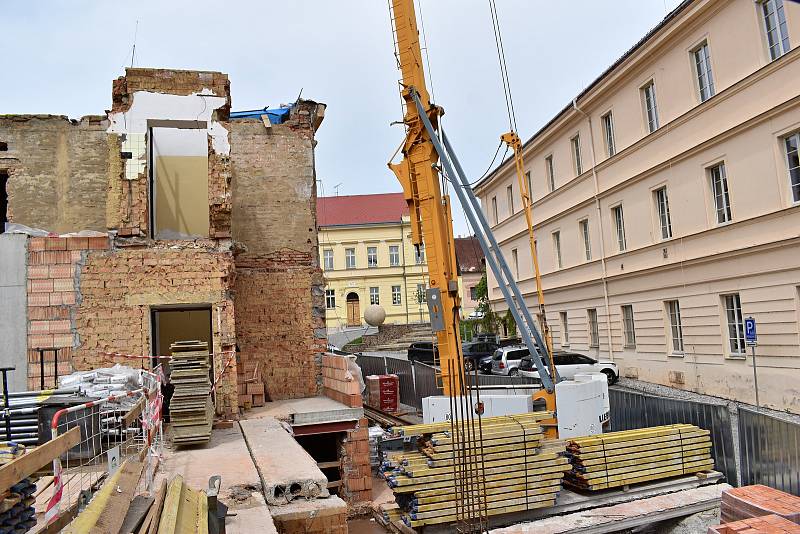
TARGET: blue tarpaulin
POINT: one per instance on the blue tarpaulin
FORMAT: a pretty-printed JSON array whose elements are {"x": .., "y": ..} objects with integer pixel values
[{"x": 276, "y": 116}]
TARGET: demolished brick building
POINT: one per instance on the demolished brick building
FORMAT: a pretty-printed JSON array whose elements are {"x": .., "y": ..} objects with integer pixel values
[{"x": 168, "y": 219}]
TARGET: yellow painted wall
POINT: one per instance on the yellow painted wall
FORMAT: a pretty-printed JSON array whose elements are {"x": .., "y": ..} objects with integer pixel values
[{"x": 181, "y": 196}]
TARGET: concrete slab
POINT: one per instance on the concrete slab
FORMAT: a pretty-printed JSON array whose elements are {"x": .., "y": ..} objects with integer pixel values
[
  {"x": 307, "y": 411},
  {"x": 14, "y": 309},
  {"x": 286, "y": 470},
  {"x": 625, "y": 516},
  {"x": 225, "y": 454}
]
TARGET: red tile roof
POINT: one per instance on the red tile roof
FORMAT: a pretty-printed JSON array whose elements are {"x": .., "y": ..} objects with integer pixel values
[
  {"x": 469, "y": 255},
  {"x": 361, "y": 209}
]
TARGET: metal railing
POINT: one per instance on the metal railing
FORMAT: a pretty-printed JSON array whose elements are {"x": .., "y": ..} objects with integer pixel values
[{"x": 770, "y": 451}]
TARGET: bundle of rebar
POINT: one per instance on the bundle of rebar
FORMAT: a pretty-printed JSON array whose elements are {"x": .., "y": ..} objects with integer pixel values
[
  {"x": 631, "y": 456},
  {"x": 191, "y": 410},
  {"x": 516, "y": 473}
]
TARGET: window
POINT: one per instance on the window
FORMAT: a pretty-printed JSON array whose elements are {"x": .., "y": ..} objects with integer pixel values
[
  {"x": 587, "y": 245},
  {"x": 419, "y": 254},
  {"x": 594, "y": 332},
  {"x": 628, "y": 329},
  {"x": 650, "y": 108},
  {"x": 564, "y": 329},
  {"x": 719, "y": 188},
  {"x": 421, "y": 295},
  {"x": 396, "y": 299},
  {"x": 702, "y": 66},
  {"x": 733, "y": 312},
  {"x": 327, "y": 259},
  {"x": 551, "y": 172},
  {"x": 330, "y": 299},
  {"x": 372, "y": 256},
  {"x": 792, "y": 143},
  {"x": 510, "y": 197},
  {"x": 530, "y": 185},
  {"x": 350, "y": 258},
  {"x": 576, "y": 154},
  {"x": 473, "y": 293},
  {"x": 662, "y": 207},
  {"x": 394, "y": 255},
  {"x": 494, "y": 210},
  {"x": 775, "y": 28},
  {"x": 619, "y": 226},
  {"x": 515, "y": 260},
  {"x": 374, "y": 295},
  {"x": 557, "y": 249},
  {"x": 675, "y": 326},
  {"x": 608, "y": 133}
]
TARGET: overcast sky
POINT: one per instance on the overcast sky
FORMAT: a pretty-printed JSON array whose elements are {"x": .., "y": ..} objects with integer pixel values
[{"x": 61, "y": 56}]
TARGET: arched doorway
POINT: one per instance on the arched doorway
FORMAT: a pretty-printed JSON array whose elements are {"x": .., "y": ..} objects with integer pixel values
[{"x": 353, "y": 310}]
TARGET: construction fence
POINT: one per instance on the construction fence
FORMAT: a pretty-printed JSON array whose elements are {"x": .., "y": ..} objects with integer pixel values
[{"x": 770, "y": 451}]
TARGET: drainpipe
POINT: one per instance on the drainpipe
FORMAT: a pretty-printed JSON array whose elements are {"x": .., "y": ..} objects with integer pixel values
[
  {"x": 600, "y": 222},
  {"x": 403, "y": 260}
]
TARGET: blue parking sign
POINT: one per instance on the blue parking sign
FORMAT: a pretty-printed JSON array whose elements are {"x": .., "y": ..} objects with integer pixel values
[{"x": 750, "y": 330}]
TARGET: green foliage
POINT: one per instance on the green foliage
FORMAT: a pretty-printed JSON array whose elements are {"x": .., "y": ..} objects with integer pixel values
[{"x": 510, "y": 323}]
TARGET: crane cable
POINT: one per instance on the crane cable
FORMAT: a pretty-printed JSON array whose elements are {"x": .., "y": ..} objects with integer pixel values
[{"x": 501, "y": 58}]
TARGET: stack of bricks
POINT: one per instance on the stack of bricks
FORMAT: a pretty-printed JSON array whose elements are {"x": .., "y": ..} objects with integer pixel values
[
  {"x": 251, "y": 388},
  {"x": 53, "y": 264},
  {"x": 356, "y": 473},
  {"x": 768, "y": 524},
  {"x": 757, "y": 501},
  {"x": 338, "y": 383}
]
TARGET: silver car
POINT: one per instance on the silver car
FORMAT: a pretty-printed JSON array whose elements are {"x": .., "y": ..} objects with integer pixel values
[
  {"x": 568, "y": 364},
  {"x": 506, "y": 360}
]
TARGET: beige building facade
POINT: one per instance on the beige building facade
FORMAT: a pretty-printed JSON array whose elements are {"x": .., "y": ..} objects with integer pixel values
[{"x": 667, "y": 206}]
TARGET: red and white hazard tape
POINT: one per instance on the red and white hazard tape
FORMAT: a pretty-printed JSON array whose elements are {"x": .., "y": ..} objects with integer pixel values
[{"x": 140, "y": 357}]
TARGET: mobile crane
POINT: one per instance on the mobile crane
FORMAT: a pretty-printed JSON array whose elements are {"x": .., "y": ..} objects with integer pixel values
[{"x": 428, "y": 162}]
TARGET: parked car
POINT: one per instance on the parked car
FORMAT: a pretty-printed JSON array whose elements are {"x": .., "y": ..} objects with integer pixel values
[
  {"x": 506, "y": 360},
  {"x": 568, "y": 364},
  {"x": 477, "y": 353},
  {"x": 474, "y": 353}
]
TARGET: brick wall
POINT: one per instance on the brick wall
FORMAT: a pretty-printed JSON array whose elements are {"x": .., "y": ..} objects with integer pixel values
[
  {"x": 279, "y": 292},
  {"x": 354, "y": 465},
  {"x": 58, "y": 171}
]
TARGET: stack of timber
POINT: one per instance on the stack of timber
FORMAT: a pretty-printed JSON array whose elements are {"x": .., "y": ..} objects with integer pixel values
[
  {"x": 16, "y": 503},
  {"x": 191, "y": 410},
  {"x": 510, "y": 471},
  {"x": 631, "y": 456},
  {"x": 756, "y": 501},
  {"x": 768, "y": 524}
]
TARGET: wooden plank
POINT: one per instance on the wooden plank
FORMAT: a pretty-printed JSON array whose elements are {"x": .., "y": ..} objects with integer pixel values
[
  {"x": 158, "y": 505},
  {"x": 27, "y": 464},
  {"x": 87, "y": 519},
  {"x": 138, "y": 510},
  {"x": 117, "y": 505},
  {"x": 172, "y": 502},
  {"x": 133, "y": 414}
]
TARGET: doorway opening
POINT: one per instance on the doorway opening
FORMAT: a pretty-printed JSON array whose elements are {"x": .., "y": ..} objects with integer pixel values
[
  {"x": 178, "y": 323},
  {"x": 3, "y": 201},
  {"x": 353, "y": 310}
]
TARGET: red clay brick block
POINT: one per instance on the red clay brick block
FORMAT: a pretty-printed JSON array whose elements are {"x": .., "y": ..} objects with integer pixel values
[
  {"x": 56, "y": 243},
  {"x": 98, "y": 243},
  {"x": 38, "y": 299},
  {"x": 77, "y": 243},
  {"x": 37, "y": 272},
  {"x": 40, "y": 286},
  {"x": 36, "y": 244},
  {"x": 61, "y": 270}
]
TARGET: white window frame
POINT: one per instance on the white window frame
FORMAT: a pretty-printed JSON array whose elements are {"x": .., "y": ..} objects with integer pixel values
[
  {"x": 550, "y": 172},
  {"x": 608, "y": 133},
  {"x": 494, "y": 210},
  {"x": 375, "y": 295},
  {"x": 720, "y": 193},
  {"x": 394, "y": 255},
  {"x": 661, "y": 199},
  {"x": 618, "y": 217},
  {"x": 397, "y": 296},
  {"x": 372, "y": 257},
  {"x": 330, "y": 299},
  {"x": 734, "y": 323},
  {"x": 583, "y": 227},
  {"x": 793, "y": 172},
  {"x": 628, "y": 326},
  {"x": 421, "y": 290},
  {"x": 564, "y": 328},
  {"x": 530, "y": 186},
  {"x": 673, "y": 310},
  {"x": 577, "y": 162},
  {"x": 775, "y": 28},
  {"x": 559, "y": 262},
  {"x": 515, "y": 261},
  {"x": 350, "y": 258},
  {"x": 327, "y": 259},
  {"x": 510, "y": 199},
  {"x": 650, "y": 104},
  {"x": 704, "y": 75},
  {"x": 594, "y": 329},
  {"x": 419, "y": 254}
]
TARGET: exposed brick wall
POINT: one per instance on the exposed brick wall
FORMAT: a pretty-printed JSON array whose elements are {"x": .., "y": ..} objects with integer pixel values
[
  {"x": 58, "y": 171},
  {"x": 354, "y": 465},
  {"x": 171, "y": 81}
]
